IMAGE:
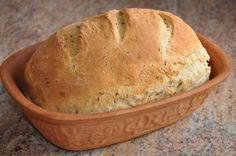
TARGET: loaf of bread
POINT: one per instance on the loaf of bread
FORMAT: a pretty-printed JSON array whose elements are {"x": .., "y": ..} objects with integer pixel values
[{"x": 116, "y": 60}]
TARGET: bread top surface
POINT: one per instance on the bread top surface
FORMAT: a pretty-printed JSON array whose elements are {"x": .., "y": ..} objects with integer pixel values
[{"x": 116, "y": 60}]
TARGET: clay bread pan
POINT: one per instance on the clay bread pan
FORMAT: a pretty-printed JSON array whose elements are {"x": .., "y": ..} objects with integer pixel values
[{"x": 81, "y": 132}]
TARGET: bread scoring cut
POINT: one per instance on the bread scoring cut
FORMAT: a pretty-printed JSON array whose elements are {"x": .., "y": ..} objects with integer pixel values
[{"x": 116, "y": 60}]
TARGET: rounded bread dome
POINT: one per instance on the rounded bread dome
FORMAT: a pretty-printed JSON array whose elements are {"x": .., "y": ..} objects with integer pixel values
[{"x": 116, "y": 60}]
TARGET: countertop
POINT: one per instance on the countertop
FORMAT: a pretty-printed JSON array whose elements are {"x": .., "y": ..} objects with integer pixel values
[{"x": 211, "y": 130}]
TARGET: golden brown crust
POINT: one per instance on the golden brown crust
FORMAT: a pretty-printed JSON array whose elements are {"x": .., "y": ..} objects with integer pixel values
[{"x": 115, "y": 60}]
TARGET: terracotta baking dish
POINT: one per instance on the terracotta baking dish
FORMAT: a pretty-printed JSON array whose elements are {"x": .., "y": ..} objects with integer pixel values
[{"x": 81, "y": 132}]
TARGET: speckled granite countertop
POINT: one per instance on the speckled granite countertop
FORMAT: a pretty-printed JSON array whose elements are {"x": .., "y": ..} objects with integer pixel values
[{"x": 211, "y": 130}]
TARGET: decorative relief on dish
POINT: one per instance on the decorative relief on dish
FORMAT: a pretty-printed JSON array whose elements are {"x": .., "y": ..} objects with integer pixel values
[
  {"x": 145, "y": 122},
  {"x": 197, "y": 100},
  {"x": 137, "y": 125},
  {"x": 82, "y": 135}
]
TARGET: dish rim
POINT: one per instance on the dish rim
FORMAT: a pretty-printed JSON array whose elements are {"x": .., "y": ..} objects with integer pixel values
[{"x": 38, "y": 112}]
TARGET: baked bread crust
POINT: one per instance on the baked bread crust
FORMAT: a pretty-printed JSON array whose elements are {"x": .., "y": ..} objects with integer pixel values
[{"x": 116, "y": 60}]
